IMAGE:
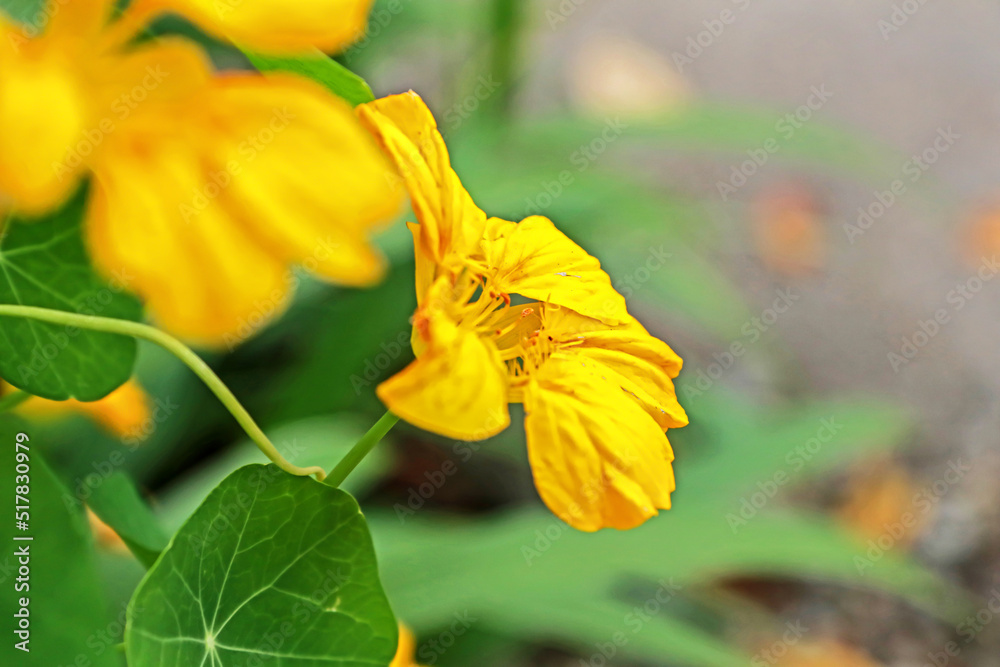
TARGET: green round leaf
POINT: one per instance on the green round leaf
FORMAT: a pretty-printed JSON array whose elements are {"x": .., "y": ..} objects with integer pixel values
[{"x": 271, "y": 569}]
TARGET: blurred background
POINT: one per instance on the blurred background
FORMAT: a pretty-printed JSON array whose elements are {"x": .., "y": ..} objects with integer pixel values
[{"x": 801, "y": 198}]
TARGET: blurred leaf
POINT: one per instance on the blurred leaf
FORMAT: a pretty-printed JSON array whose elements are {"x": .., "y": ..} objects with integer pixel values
[
  {"x": 606, "y": 629},
  {"x": 117, "y": 502},
  {"x": 723, "y": 128},
  {"x": 321, "y": 68},
  {"x": 66, "y": 604},
  {"x": 339, "y": 366},
  {"x": 498, "y": 570},
  {"x": 749, "y": 447},
  {"x": 569, "y": 580},
  {"x": 316, "y": 441},
  {"x": 44, "y": 263},
  {"x": 655, "y": 246},
  {"x": 28, "y": 12},
  {"x": 265, "y": 549},
  {"x": 392, "y": 22}
]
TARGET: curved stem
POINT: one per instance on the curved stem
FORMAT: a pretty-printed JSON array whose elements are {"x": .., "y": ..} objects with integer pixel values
[
  {"x": 182, "y": 352},
  {"x": 507, "y": 23},
  {"x": 361, "y": 449}
]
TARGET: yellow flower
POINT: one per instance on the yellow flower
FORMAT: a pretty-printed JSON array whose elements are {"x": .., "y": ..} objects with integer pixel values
[
  {"x": 205, "y": 190},
  {"x": 597, "y": 388},
  {"x": 125, "y": 412},
  {"x": 330, "y": 25}
]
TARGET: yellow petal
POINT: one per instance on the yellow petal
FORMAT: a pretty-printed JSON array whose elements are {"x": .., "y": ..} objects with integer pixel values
[
  {"x": 151, "y": 222},
  {"x": 205, "y": 206},
  {"x": 75, "y": 20},
  {"x": 272, "y": 25},
  {"x": 62, "y": 96},
  {"x": 43, "y": 113},
  {"x": 639, "y": 363},
  {"x": 311, "y": 181},
  {"x": 404, "y": 649},
  {"x": 128, "y": 83},
  {"x": 457, "y": 387},
  {"x": 450, "y": 222},
  {"x": 598, "y": 459},
  {"x": 534, "y": 259}
]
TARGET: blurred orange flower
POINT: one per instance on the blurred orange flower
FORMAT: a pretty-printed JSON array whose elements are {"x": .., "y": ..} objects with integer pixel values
[
  {"x": 405, "y": 649},
  {"x": 788, "y": 232},
  {"x": 982, "y": 236},
  {"x": 104, "y": 535},
  {"x": 123, "y": 413},
  {"x": 597, "y": 388},
  {"x": 205, "y": 189},
  {"x": 825, "y": 653},
  {"x": 880, "y": 501}
]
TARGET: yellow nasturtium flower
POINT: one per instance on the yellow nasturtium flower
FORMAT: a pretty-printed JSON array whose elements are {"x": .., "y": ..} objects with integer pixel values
[
  {"x": 205, "y": 189},
  {"x": 596, "y": 386}
]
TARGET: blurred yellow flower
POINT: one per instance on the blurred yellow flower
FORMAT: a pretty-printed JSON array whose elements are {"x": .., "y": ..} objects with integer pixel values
[
  {"x": 125, "y": 412},
  {"x": 104, "y": 535},
  {"x": 271, "y": 25},
  {"x": 597, "y": 388},
  {"x": 405, "y": 649},
  {"x": 205, "y": 189}
]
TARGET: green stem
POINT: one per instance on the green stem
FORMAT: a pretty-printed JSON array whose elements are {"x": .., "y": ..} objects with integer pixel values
[
  {"x": 361, "y": 449},
  {"x": 182, "y": 352},
  {"x": 13, "y": 399},
  {"x": 507, "y": 21}
]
